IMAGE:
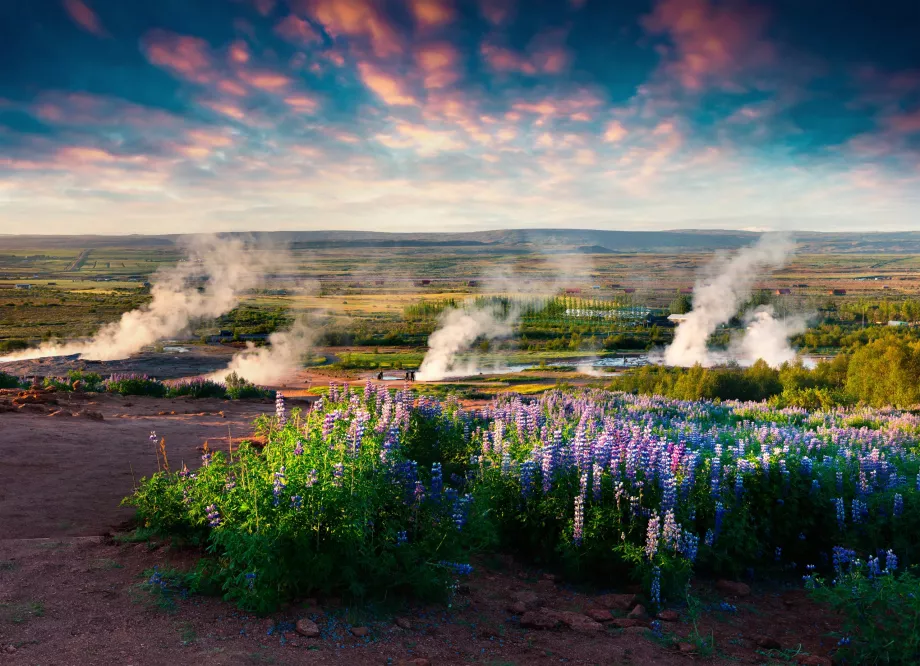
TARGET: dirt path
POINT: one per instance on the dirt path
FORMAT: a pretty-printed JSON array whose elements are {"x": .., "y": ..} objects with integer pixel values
[{"x": 66, "y": 476}]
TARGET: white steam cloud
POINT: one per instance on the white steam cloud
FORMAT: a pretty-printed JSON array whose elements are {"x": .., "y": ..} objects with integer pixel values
[
  {"x": 717, "y": 296},
  {"x": 275, "y": 363},
  {"x": 221, "y": 267},
  {"x": 458, "y": 329},
  {"x": 766, "y": 337}
]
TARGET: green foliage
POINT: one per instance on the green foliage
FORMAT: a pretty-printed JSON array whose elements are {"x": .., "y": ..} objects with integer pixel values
[
  {"x": 238, "y": 388},
  {"x": 880, "y": 611},
  {"x": 196, "y": 388},
  {"x": 135, "y": 385},
  {"x": 13, "y": 345},
  {"x": 8, "y": 381},
  {"x": 886, "y": 372}
]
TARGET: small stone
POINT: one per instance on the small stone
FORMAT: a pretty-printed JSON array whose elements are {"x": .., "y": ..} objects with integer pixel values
[
  {"x": 526, "y": 597},
  {"x": 539, "y": 620},
  {"x": 403, "y": 623},
  {"x": 307, "y": 627},
  {"x": 517, "y": 608},
  {"x": 576, "y": 621},
  {"x": 686, "y": 648},
  {"x": 10, "y": 649},
  {"x": 623, "y": 602},
  {"x": 768, "y": 643},
  {"x": 360, "y": 632},
  {"x": 733, "y": 588},
  {"x": 599, "y": 614},
  {"x": 669, "y": 616},
  {"x": 638, "y": 613},
  {"x": 93, "y": 416}
]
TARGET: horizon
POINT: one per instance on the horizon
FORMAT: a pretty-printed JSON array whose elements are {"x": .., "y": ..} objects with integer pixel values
[{"x": 458, "y": 115}]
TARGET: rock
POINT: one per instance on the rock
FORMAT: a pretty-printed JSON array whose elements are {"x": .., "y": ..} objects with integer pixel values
[
  {"x": 732, "y": 588},
  {"x": 812, "y": 660},
  {"x": 9, "y": 649},
  {"x": 307, "y": 627},
  {"x": 403, "y": 623},
  {"x": 623, "y": 602},
  {"x": 360, "y": 632},
  {"x": 162, "y": 413},
  {"x": 636, "y": 631},
  {"x": 60, "y": 413},
  {"x": 92, "y": 416},
  {"x": 638, "y": 613},
  {"x": 599, "y": 614},
  {"x": 539, "y": 620},
  {"x": 32, "y": 407},
  {"x": 625, "y": 622},
  {"x": 517, "y": 608},
  {"x": 686, "y": 648},
  {"x": 526, "y": 597},
  {"x": 768, "y": 643},
  {"x": 50, "y": 389},
  {"x": 576, "y": 621},
  {"x": 77, "y": 386},
  {"x": 669, "y": 615}
]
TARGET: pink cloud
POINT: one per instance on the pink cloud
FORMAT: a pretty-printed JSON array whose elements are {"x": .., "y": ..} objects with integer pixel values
[
  {"x": 297, "y": 31},
  {"x": 187, "y": 57},
  {"x": 265, "y": 80},
  {"x": 239, "y": 52},
  {"x": 85, "y": 109},
  {"x": 357, "y": 19},
  {"x": 432, "y": 13},
  {"x": 614, "y": 132},
  {"x": 438, "y": 63},
  {"x": 390, "y": 89},
  {"x": 302, "y": 103},
  {"x": 226, "y": 109},
  {"x": 906, "y": 123},
  {"x": 85, "y": 17},
  {"x": 231, "y": 87},
  {"x": 712, "y": 43},
  {"x": 497, "y": 12},
  {"x": 546, "y": 54}
]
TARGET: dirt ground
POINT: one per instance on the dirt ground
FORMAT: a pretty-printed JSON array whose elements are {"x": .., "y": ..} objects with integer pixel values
[{"x": 71, "y": 594}]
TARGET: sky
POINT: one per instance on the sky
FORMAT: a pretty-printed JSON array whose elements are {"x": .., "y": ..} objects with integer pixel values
[{"x": 452, "y": 115}]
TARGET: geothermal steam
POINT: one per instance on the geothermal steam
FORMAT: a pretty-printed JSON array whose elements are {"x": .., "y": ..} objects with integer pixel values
[
  {"x": 275, "y": 363},
  {"x": 228, "y": 266},
  {"x": 457, "y": 330},
  {"x": 717, "y": 296}
]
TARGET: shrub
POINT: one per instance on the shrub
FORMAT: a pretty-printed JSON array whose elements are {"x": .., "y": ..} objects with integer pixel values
[
  {"x": 196, "y": 388},
  {"x": 8, "y": 381},
  {"x": 880, "y": 608},
  {"x": 91, "y": 381},
  {"x": 135, "y": 385},
  {"x": 239, "y": 388},
  {"x": 13, "y": 345}
]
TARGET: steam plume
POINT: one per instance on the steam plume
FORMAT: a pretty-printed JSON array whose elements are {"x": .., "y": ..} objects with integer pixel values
[
  {"x": 228, "y": 266},
  {"x": 766, "y": 337},
  {"x": 276, "y": 362},
  {"x": 717, "y": 296},
  {"x": 458, "y": 329}
]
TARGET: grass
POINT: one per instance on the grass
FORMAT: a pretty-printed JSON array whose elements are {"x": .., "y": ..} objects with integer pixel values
[{"x": 21, "y": 611}]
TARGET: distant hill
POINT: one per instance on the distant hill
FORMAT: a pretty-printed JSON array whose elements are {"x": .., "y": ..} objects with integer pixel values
[{"x": 518, "y": 241}]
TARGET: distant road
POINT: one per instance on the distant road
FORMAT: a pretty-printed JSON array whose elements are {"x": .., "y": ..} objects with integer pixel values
[{"x": 79, "y": 261}]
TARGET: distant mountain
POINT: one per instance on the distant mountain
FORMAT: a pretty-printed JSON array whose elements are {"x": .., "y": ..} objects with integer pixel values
[{"x": 518, "y": 241}]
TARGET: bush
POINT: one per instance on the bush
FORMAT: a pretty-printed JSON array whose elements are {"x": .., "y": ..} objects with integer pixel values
[
  {"x": 328, "y": 506},
  {"x": 196, "y": 388},
  {"x": 880, "y": 608},
  {"x": 238, "y": 388},
  {"x": 90, "y": 381},
  {"x": 135, "y": 385},
  {"x": 13, "y": 345},
  {"x": 8, "y": 381}
]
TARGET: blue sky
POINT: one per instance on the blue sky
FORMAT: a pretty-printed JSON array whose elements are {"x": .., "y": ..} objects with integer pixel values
[{"x": 451, "y": 115}]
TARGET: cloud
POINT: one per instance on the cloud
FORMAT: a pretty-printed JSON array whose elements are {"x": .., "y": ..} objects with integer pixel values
[
  {"x": 297, "y": 31},
  {"x": 711, "y": 44},
  {"x": 546, "y": 54},
  {"x": 85, "y": 17},
  {"x": 187, "y": 57},
  {"x": 614, "y": 131},
  {"x": 438, "y": 63},
  {"x": 497, "y": 12},
  {"x": 357, "y": 19},
  {"x": 432, "y": 13},
  {"x": 387, "y": 87}
]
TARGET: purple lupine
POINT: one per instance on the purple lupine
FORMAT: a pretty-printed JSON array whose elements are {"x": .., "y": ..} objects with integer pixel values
[
  {"x": 279, "y": 485},
  {"x": 213, "y": 515},
  {"x": 279, "y": 409},
  {"x": 651, "y": 536}
]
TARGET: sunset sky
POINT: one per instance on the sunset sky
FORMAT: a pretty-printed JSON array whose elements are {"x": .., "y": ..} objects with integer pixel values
[{"x": 171, "y": 116}]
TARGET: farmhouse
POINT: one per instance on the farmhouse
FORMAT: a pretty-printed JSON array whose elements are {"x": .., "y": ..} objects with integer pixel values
[
  {"x": 677, "y": 318},
  {"x": 783, "y": 292},
  {"x": 24, "y": 286},
  {"x": 838, "y": 292}
]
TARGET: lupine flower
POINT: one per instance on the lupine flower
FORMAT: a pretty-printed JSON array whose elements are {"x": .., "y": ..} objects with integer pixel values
[
  {"x": 651, "y": 536},
  {"x": 457, "y": 567},
  {"x": 213, "y": 515},
  {"x": 279, "y": 409},
  {"x": 891, "y": 561},
  {"x": 250, "y": 580},
  {"x": 338, "y": 471},
  {"x": 898, "y": 508},
  {"x": 279, "y": 485},
  {"x": 655, "y": 592},
  {"x": 578, "y": 529},
  {"x": 437, "y": 481},
  {"x": 401, "y": 538}
]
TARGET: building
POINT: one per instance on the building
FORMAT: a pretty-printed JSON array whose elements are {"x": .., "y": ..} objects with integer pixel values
[
  {"x": 677, "y": 318},
  {"x": 783, "y": 292},
  {"x": 686, "y": 290},
  {"x": 24, "y": 286},
  {"x": 896, "y": 322},
  {"x": 629, "y": 290},
  {"x": 837, "y": 292},
  {"x": 573, "y": 291}
]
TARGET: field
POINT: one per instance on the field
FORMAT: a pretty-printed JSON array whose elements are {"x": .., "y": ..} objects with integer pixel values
[{"x": 518, "y": 516}]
